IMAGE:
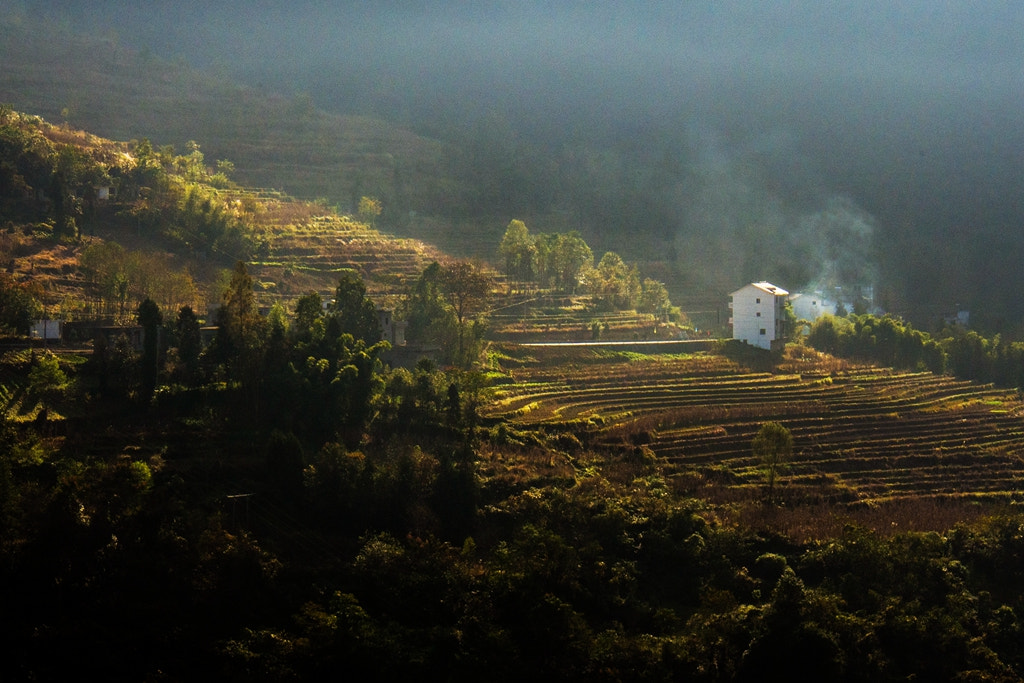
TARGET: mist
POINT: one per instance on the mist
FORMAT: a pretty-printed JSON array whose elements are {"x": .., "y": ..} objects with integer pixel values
[{"x": 893, "y": 131}]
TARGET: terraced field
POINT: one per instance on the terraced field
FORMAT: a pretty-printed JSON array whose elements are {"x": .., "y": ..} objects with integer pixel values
[
  {"x": 860, "y": 433},
  {"x": 308, "y": 249}
]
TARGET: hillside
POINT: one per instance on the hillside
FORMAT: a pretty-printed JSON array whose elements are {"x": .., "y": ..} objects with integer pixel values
[
  {"x": 866, "y": 438},
  {"x": 275, "y": 141},
  {"x": 169, "y": 230}
]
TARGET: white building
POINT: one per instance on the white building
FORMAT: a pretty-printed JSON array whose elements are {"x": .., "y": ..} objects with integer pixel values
[
  {"x": 810, "y": 306},
  {"x": 47, "y": 329},
  {"x": 758, "y": 315},
  {"x": 391, "y": 330}
]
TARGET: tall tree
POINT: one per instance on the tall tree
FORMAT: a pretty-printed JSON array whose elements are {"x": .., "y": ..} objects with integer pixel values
[
  {"x": 241, "y": 330},
  {"x": 186, "y": 331},
  {"x": 467, "y": 288},
  {"x": 149, "y": 316},
  {"x": 308, "y": 309},
  {"x": 354, "y": 312},
  {"x": 430, "y": 318},
  {"x": 18, "y": 306},
  {"x": 772, "y": 447},
  {"x": 518, "y": 252},
  {"x": 570, "y": 255},
  {"x": 369, "y": 208}
]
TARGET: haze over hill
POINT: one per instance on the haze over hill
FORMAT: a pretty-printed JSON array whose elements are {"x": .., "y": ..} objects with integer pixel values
[{"x": 865, "y": 142}]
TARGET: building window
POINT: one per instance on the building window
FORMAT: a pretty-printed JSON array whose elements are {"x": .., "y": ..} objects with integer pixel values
[
  {"x": 758, "y": 301},
  {"x": 763, "y": 331},
  {"x": 759, "y": 314}
]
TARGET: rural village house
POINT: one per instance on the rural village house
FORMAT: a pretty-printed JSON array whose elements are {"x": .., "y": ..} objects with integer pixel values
[{"x": 758, "y": 315}]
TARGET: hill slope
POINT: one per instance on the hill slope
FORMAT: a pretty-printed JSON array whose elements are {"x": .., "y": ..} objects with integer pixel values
[{"x": 273, "y": 140}]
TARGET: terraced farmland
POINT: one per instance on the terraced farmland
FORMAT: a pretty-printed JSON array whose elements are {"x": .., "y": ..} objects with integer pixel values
[
  {"x": 860, "y": 433},
  {"x": 319, "y": 246}
]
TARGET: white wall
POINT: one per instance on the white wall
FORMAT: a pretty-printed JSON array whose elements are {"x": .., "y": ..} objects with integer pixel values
[{"x": 758, "y": 314}]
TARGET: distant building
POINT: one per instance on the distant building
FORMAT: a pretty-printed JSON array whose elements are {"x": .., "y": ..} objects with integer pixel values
[
  {"x": 391, "y": 330},
  {"x": 133, "y": 334},
  {"x": 961, "y": 319},
  {"x": 47, "y": 330},
  {"x": 758, "y": 315},
  {"x": 812, "y": 305}
]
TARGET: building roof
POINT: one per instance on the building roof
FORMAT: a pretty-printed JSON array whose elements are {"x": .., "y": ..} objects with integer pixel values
[{"x": 766, "y": 287}]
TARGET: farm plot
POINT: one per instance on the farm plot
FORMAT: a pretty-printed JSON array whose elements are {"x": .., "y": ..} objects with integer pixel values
[
  {"x": 321, "y": 246},
  {"x": 863, "y": 434}
]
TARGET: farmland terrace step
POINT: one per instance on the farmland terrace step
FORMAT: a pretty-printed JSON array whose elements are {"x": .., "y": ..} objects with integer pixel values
[{"x": 930, "y": 433}]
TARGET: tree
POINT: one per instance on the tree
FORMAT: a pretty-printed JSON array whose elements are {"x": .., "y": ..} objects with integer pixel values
[
  {"x": 569, "y": 255},
  {"x": 616, "y": 285},
  {"x": 18, "y": 307},
  {"x": 467, "y": 288},
  {"x": 354, "y": 312},
  {"x": 308, "y": 309},
  {"x": 241, "y": 330},
  {"x": 518, "y": 252},
  {"x": 149, "y": 317},
  {"x": 74, "y": 174},
  {"x": 654, "y": 299},
  {"x": 369, "y": 209},
  {"x": 430, "y": 318},
  {"x": 186, "y": 331},
  {"x": 773, "y": 447}
]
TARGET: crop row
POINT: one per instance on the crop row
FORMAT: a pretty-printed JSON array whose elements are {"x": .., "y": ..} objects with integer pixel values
[
  {"x": 610, "y": 393},
  {"x": 863, "y": 434}
]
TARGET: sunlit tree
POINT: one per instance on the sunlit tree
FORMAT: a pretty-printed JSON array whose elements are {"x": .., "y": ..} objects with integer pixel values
[
  {"x": 772, "y": 447},
  {"x": 518, "y": 252},
  {"x": 467, "y": 288},
  {"x": 369, "y": 209}
]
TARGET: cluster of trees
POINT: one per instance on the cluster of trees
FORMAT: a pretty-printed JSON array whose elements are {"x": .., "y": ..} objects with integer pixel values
[
  {"x": 41, "y": 180},
  {"x": 885, "y": 340},
  {"x": 19, "y": 305},
  {"x": 892, "y": 342},
  {"x": 443, "y": 309},
  {"x": 565, "y": 263},
  {"x": 175, "y": 196},
  {"x": 370, "y": 564},
  {"x": 178, "y": 197},
  {"x": 121, "y": 276},
  {"x": 325, "y": 358}
]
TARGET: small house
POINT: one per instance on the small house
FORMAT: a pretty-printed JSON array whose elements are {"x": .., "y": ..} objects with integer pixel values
[
  {"x": 759, "y": 315},
  {"x": 48, "y": 330},
  {"x": 392, "y": 330}
]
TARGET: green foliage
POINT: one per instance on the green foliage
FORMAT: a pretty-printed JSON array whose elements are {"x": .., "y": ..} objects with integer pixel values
[
  {"x": 519, "y": 253},
  {"x": 188, "y": 343},
  {"x": 241, "y": 330},
  {"x": 888, "y": 341},
  {"x": 19, "y": 305},
  {"x": 431, "y": 320},
  {"x": 467, "y": 288},
  {"x": 353, "y": 312},
  {"x": 46, "y": 377},
  {"x": 772, "y": 447},
  {"x": 150, "y": 318},
  {"x": 308, "y": 310}
]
